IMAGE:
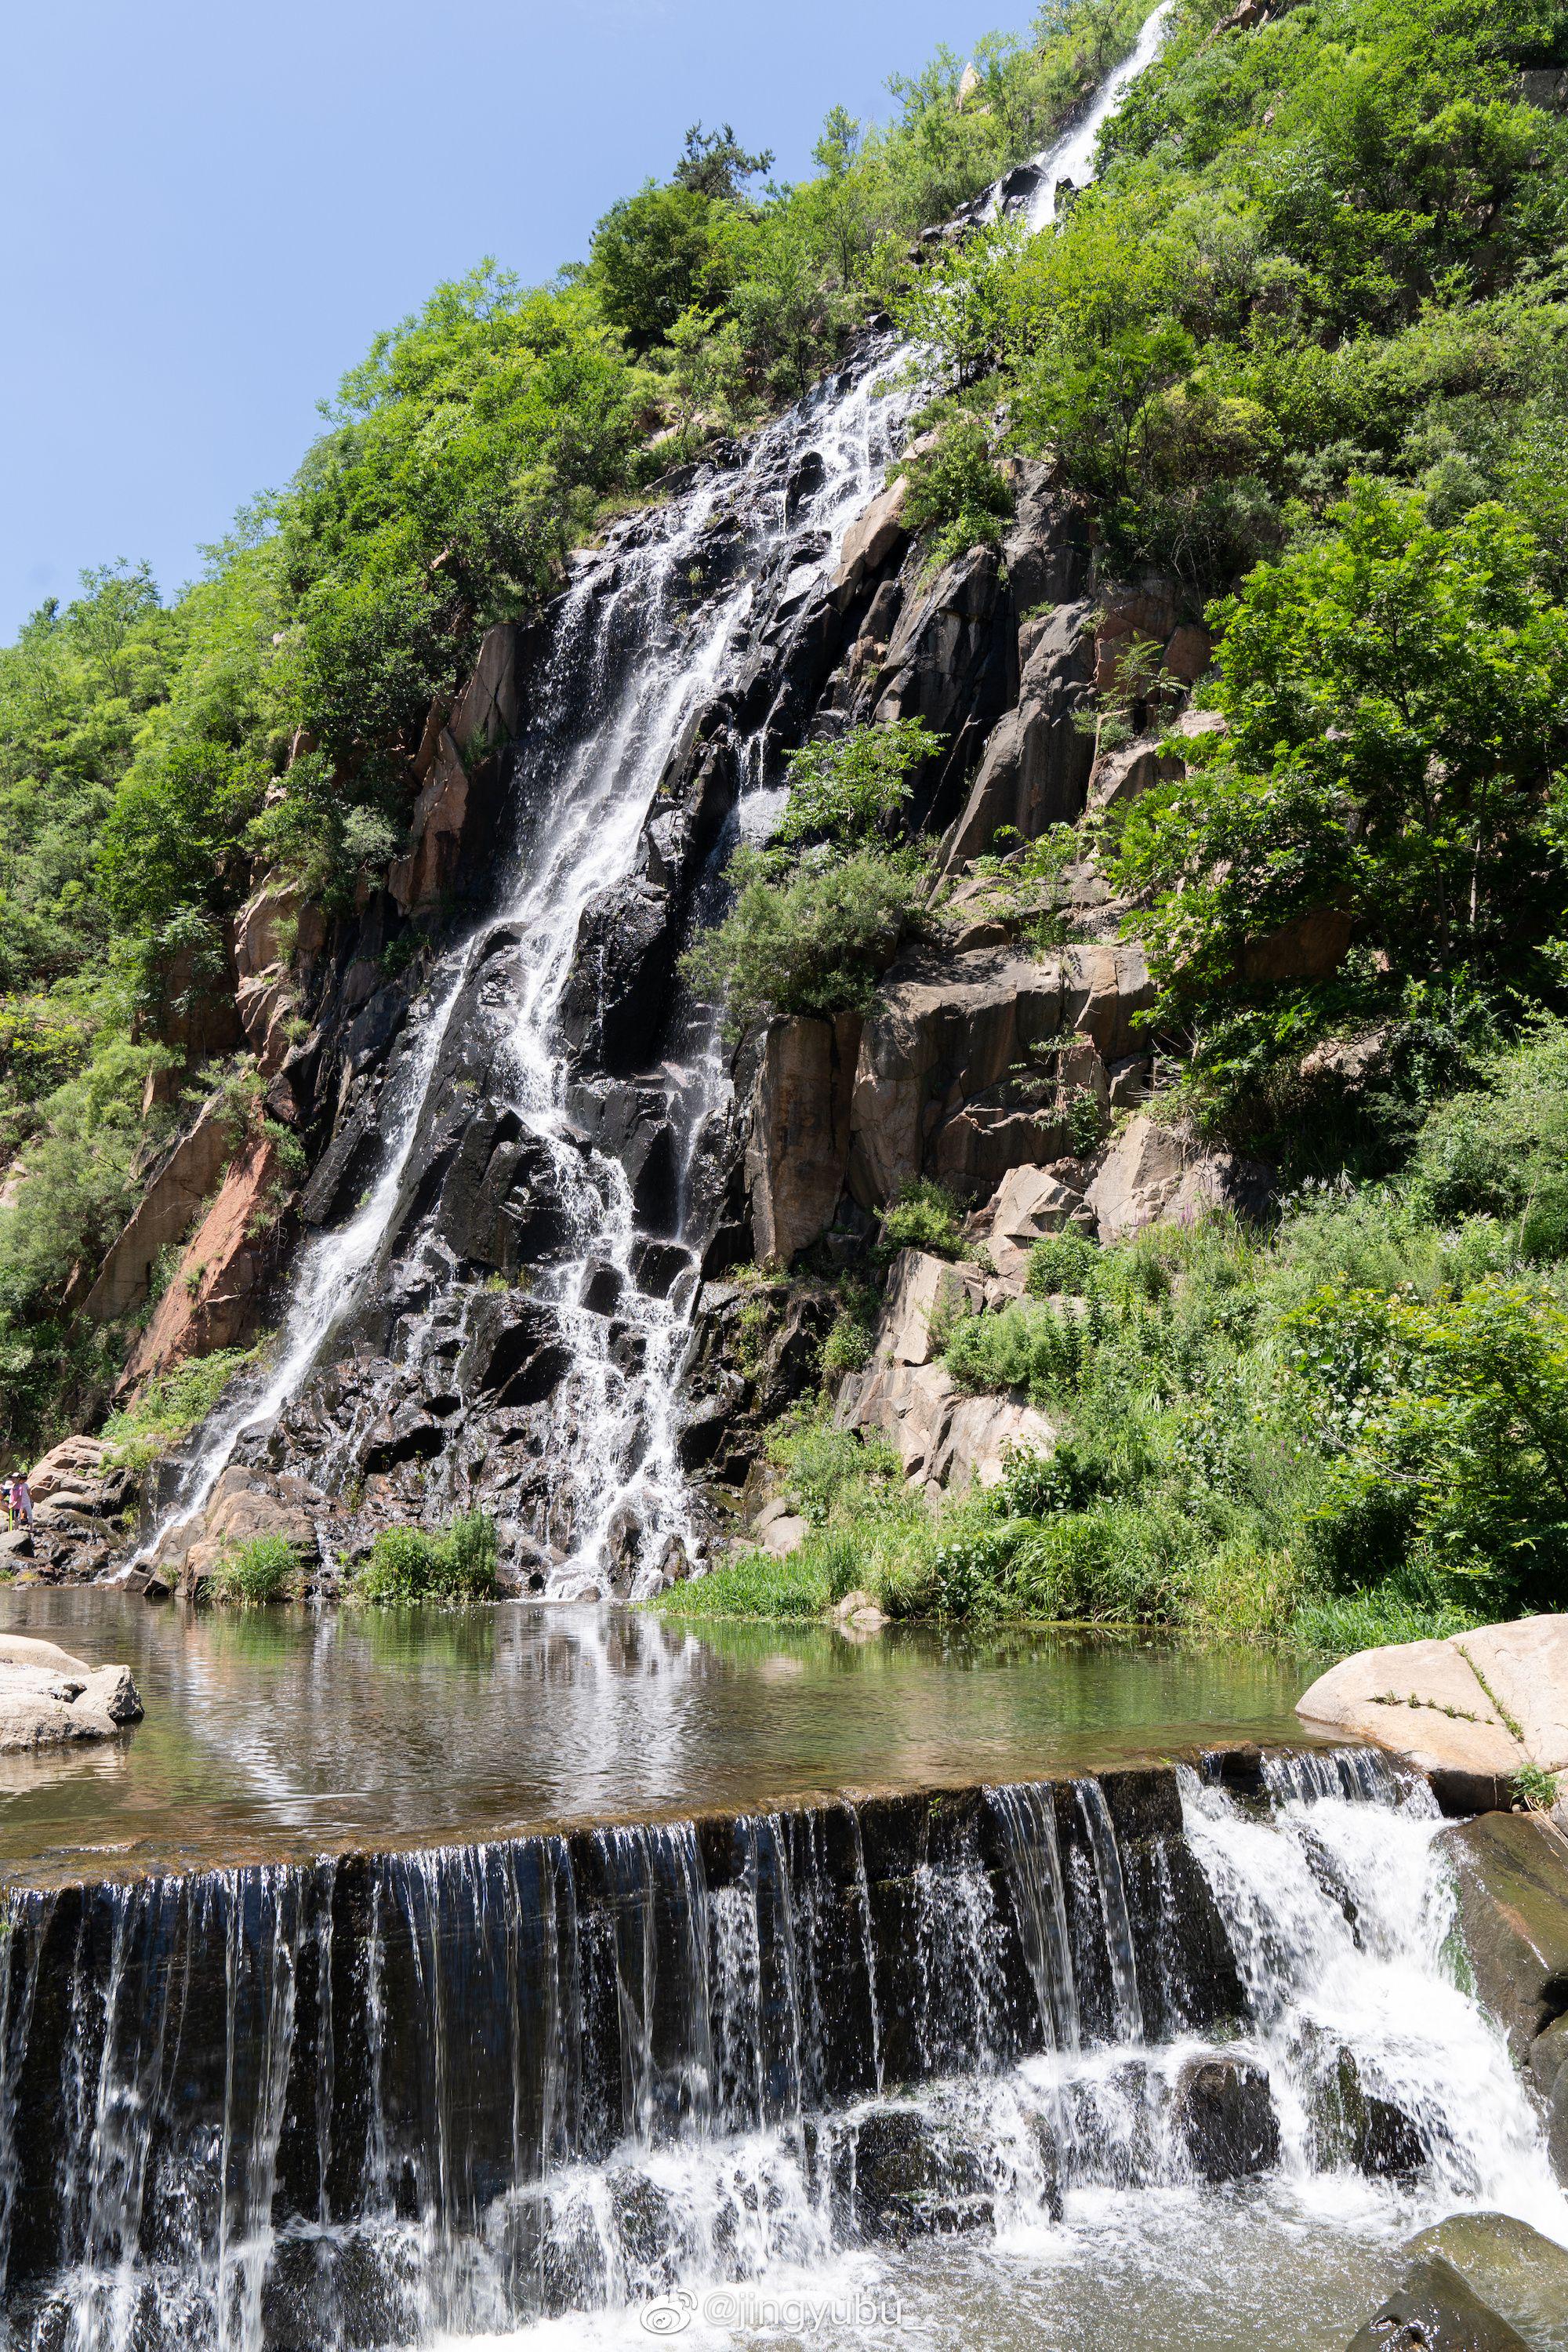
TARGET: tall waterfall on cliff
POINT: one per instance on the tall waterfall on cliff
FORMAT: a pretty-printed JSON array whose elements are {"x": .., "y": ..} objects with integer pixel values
[{"x": 651, "y": 636}]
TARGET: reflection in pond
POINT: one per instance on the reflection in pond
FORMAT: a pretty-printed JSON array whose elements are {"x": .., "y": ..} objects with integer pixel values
[{"x": 288, "y": 1732}]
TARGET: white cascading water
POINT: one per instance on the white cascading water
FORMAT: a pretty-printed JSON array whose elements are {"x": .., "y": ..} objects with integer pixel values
[
  {"x": 1069, "y": 162},
  {"x": 618, "y": 2076},
  {"x": 615, "y": 1432}
]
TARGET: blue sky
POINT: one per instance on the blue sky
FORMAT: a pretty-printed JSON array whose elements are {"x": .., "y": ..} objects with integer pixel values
[{"x": 208, "y": 207}]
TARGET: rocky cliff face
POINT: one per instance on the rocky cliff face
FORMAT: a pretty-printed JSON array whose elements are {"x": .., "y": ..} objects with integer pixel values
[{"x": 529, "y": 1169}]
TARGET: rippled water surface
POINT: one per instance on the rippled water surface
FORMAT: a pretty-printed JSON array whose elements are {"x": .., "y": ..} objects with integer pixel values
[{"x": 284, "y": 1733}]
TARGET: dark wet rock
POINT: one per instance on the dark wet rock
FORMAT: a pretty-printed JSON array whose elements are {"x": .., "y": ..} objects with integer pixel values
[
  {"x": 915, "y": 2178},
  {"x": 1226, "y": 2119},
  {"x": 1433, "y": 2309}
]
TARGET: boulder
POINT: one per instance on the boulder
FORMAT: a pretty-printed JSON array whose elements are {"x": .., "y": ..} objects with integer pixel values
[
  {"x": 1153, "y": 1174},
  {"x": 1481, "y": 1704},
  {"x": 216, "y": 1298},
  {"x": 1029, "y": 1203},
  {"x": 1121, "y": 775},
  {"x": 244, "y": 1505},
  {"x": 914, "y": 2177},
  {"x": 799, "y": 1147},
  {"x": 1511, "y": 2268},
  {"x": 1433, "y": 2309},
  {"x": 187, "y": 1175},
  {"x": 1511, "y": 1873},
  {"x": 874, "y": 536},
  {"x": 1223, "y": 2114},
  {"x": 48, "y": 1696},
  {"x": 920, "y": 1288}
]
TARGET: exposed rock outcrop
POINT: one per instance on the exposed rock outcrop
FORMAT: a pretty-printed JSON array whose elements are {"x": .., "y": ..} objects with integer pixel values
[
  {"x": 943, "y": 1439},
  {"x": 1153, "y": 1174},
  {"x": 799, "y": 1147},
  {"x": 216, "y": 1298},
  {"x": 48, "y": 1698},
  {"x": 967, "y": 1063},
  {"x": 1477, "y": 1705},
  {"x": 184, "y": 1178}
]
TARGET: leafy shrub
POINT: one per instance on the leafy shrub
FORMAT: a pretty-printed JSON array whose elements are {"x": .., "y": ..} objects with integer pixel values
[
  {"x": 850, "y": 787},
  {"x": 171, "y": 1405},
  {"x": 925, "y": 1216},
  {"x": 957, "y": 492},
  {"x": 412, "y": 1564},
  {"x": 1062, "y": 1263},
  {"x": 823, "y": 1466},
  {"x": 816, "y": 943},
  {"x": 848, "y": 1346},
  {"x": 253, "y": 1573}
]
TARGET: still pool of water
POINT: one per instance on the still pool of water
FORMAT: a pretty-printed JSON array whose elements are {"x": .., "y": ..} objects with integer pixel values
[{"x": 280, "y": 1734}]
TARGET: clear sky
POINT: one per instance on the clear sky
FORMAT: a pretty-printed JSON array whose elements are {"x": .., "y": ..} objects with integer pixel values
[{"x": 207, "y": 208}]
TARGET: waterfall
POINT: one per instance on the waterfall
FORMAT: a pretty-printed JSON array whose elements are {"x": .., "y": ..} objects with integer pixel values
[
  {"x": 634, "y": 658},
  {"x": 381, "y": 2099}
]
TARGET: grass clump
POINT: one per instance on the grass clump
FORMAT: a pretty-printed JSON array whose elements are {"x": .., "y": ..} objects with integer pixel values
[
  {"x": 171, "y": 1406},
  {"x": 251, "y": 1574},
  {"x": 925, "y": 1216},
  {"x": 414, "y": 1564}
]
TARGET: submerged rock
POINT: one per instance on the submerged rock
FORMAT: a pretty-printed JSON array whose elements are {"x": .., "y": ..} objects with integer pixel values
[
  {"x": 1434, "y": 2310},
  {"x": 1225, "y": 2118}
]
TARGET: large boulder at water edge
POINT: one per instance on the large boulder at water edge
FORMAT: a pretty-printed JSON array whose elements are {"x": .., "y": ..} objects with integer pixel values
[
  {"x": 1511, "y": 1875},
  {"x": 48, "y": 1697},
  {"x": 1477, "y": 2282},
  {"x": 1511, "y": 2268},
  {"x": 1476, "y": 1708}
]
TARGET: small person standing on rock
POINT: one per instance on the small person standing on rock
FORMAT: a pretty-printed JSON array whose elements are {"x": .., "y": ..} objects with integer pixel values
[{"x": 18, "y": 1501}]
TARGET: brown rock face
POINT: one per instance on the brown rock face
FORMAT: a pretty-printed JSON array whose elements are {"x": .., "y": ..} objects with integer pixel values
[
  {"x": 441, "y": 814},
  {"x": 799, "y": 1147},
  {"x": 875, "y": 536},
  {"x": 967, "y": 1061},
  {"x": 1312, "y": 946},
  {"x": 187, "y": 1176},
  {"x": 215, "y": 1300},
  {"x": 1153, "y": 1174}
]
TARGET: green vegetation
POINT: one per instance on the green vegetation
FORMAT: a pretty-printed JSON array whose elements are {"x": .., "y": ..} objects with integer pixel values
[
  {"x": 152, "y": 754},
  {"x": 925, "y": 1216},
  {"x": 819, "y": 916},
  {"x": 1351, "y": 1430},
  {"x": 252, "y": 1574},
  {"x": 169, "y": 1407},
  {"x": 413, "y": 1564}
]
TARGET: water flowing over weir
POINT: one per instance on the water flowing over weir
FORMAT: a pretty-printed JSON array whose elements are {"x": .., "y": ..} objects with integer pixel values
[{"x": 377, "y": 2099}]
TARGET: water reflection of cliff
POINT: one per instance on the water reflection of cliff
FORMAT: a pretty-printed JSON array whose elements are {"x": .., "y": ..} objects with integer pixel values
[{"x": 287, "y": 1733}]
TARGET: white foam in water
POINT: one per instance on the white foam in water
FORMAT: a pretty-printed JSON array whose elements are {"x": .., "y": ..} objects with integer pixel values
[{"x": 1339, "y": 1909}]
